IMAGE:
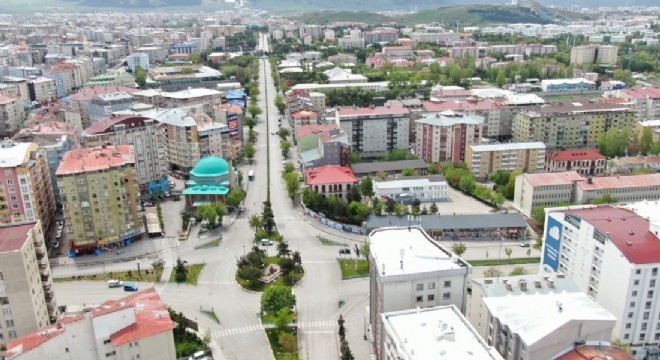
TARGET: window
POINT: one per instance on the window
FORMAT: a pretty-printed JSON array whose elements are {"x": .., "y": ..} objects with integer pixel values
[
  {"x": 649, "y": 294},
  {"x": 4, "y": 300},
  {"x": 10, "y": 323},
  {"x": 641, "y": 337},
  {"x": 634, "y": 293},
  {"x": 420, "y": 287},
  {"x": 446, "y": 296},
  {"x": 654, "y": 272},
  {"x": 646, "y": 315},
  {"x": 6, "y": 312},
  {"x": 430, "y": 297},
  {"x": 628, "y": 325},
  {"x": 12, "y": 334},
  {"x": 447, "y": 283},
  {"x": 652, "y": 283},
  {"x": 626, "y": 336},
  {"x": 638, "y": 271},
  {"x": 636, "y": 282},
  {"x": 420, "y": 298},
  {"x": 647, "y": 305},
  {"x": 632, "y": 304},
  {"x": 657, "y": 336},
  {"x": 630, "y": 315},
  {"x": 644, "y": 325},
  {"x": 107, "y": 341},
  {"x": 431, "y": 286}
]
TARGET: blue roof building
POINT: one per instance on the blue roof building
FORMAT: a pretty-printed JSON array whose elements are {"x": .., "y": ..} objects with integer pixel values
[{"x": 210, "y": 181}]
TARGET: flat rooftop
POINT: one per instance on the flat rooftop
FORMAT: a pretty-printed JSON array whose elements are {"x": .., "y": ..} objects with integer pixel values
[
  {"x": 534, "y": 284},
  {"x": 621, "y": 182},
  {"x": 450, "y": 222},
  {"x": 14, "y": 237},
  {"x": 402, "y": 251},
  {"x": 508, "y": 147},
  {"x": 95, "y": 159},
  {"x": 440, "y": 332},
  {"x": 409, "y": 181}
]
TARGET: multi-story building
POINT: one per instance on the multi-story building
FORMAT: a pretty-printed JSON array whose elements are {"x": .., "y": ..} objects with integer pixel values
[
  {"x": 590, "y": 54},
  {"x": 304, "y": 118},
  {"x": 410, "y": 270},
  {"x": 544, "y": 190},
  {"x": 459, "y": 52},
  {"x": 646, "y": 101},
  {"x": 100, "y": 197},
  {"x": 232, "y": 116},
  {"x": 446, "y": 137},
  {"x": 378, "y": 36},
  {"x": 202, "y": 98},
  {"x": 607, "y": 55},
  {"x": 313, "y": 31},
  {"x": 147, "y": 138},
  {"x": 571, "y": 125},
  {"x": 430, "y": 188},
  {"x": 486, "y": 159},
  {"x": 435, "y": 37},
  {"x": 81, "y": 100},
  {"x": 330, "y": 180},
  {"x": 654, "y": 125},
  {"x": 623, "y": 188},
  {"x": 12, "y": 114},
  {"x": 104, "y": 105},
  {"x": 567, "y": 84},
  {"x": 134, "y": 327},
  {"x": 616, "y": 264},
  {"x": 629, "y": 163},
  {"x": 138, "y": 59},
  {"x": 27, "y": 298},
  {"x": 155, "y": 53},
  {"x": 320, "y": 145},
  {"x": 372, "y": 131},
  {"x": 556, "y": 314},
  {"x": 587, "y": 162},
  {"x": 16, "y": 87},
  {"x": 431, "y": 332},
  {"x": 42, "y": 89},
  {"x": 347, "y": 42},
  {"x": 25, "y": 188},
  {"x": 180, "y": 75},
  {"x": 486, "y": 108}
]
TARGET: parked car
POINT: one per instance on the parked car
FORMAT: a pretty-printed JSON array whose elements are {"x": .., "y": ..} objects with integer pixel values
[
  {"x": 345, "y": 251},
  {"x": 524, "y": 244},
  {"x": 115, "y": 283},
  {"x": 266, "y": 242},
  {"x": 58, "y": 234},
  {"x": 130, "y": 287},
  {"x": 200, "y": 355}
]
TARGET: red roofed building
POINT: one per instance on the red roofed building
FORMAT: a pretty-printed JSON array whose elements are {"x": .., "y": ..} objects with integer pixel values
[
  {"x": 587, "y": 162},
  {"x": 330, "y": 180},
  {"x": 81, "y": 100},
  {"x": 489, "y": 109},
  {"x": 646, "y": 99},
  {"x": 613, "y": 255},
  {"x": 596, "y": 352},
  {"x": 304, "y": 117},
  {"x": 135, "y": 327}
]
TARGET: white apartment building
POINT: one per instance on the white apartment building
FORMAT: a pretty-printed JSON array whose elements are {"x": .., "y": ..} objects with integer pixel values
[
  {"x": 106, "y": 104},
  {"x": 429, "y": 333},
  {"x": 138, "y": 59},
  {"x": 42, "y": 89},
  {"x": 12, "y": 114},
  {"x": 536, "y": 316},
  {"x": 544, "y": 190},
  {"x": 646, "y": 101},
  {"x": 613, "y": 255},
  {"x": 607, "y": 55},
  {"x": 486, "y": 159},
  {"x": 26, "y": 297},
  {"x": 155, "y": 53},
  {"x": 430, "y": 188},
  {"x": 347, "y": 42},
  {"x": 134, "y": 327},
  {"x": 410, "y": 270},
  {"x": 374, "y": 130},
  {"x": 445, "y": 137},
  {"x": 147, "y": 137}
]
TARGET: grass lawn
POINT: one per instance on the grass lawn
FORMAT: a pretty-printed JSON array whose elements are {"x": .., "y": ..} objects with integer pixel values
[
  {"x": 348, "y": 270},
  {"x": 513, "y": 261},
  {"x": 210, "y": 244},
  {"x": 130, "y": 275},
  {"x": 261, "y": 234},
  {"x": 211, "y": 314},
  {"x": 193, "y": 274},
  {"x": 260, "y": 286},
  {"x": 273, "y": 337},
  {"x": 328, "y": 242},
  {"x": 270, "y": 319}
]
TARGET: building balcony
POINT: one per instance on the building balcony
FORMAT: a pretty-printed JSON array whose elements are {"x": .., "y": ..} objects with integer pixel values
[
  {"x": 40, "y": 254},
  {"x": 45, "y": 277},
  {"x": 43, "y": 266},
  {"x": 48, "y": 294},
  {"x": 47, "y": 287}
]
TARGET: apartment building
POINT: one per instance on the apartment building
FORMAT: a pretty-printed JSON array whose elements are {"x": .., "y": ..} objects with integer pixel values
[
  {"x": 156, "y": 53},
  {"x": 181, "y": 74},
  {"x": 27, "y": 299},
  {"x": 510, "y": 103},
  {"x": 26, "y": 193},
  {"x": 616, "y": 264},
  {"x": 587, "y": 162},
  {"x": 446, "y": 137},
  {"x": 555, "y": 313},
  {"x": 486, "y": 108},
  {"x": 434, "y": 37},
  {"x": 134, "y": 327},
  {"x": 372, "y": 131},
  {"x": 429, "y": 188},
  {"x": 486, "y": 159},
  {"x": 378, "y": 36},
  {"x": 459, "y": 52},
  {"x": 646, "y": 101},
  {"x": 215, "y": 138},
  {"x": 104, "y": 105},
  {"x": 147, "y": 138},
  {"x": 630, "y": 163},
  {"x": 232, "y": 116},
  {"x": 81, "y": 100},
  {"x": 572, "y": 125},
  {"x": 654, "y": 125},
  {"x": 12, "y": 114},
  {"x": 425, "y": 333},
  {"x": 193, "y": 98},
  {"x": 410, "y": 270},
  {"x": 544, "y": 190},
  {"x": 100, "y": 197},
  {"x": 320, "y": 145},
  {"x": 598, "y": 54},
  {"x": 42, "y": 89}
]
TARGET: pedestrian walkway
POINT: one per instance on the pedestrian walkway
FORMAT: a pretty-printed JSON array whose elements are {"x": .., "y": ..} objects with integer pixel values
[{"x": 243, "y": 330}]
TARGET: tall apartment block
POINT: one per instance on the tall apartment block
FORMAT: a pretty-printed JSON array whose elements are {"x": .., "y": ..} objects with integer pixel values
[
  {"x": 484, "y": 160},
  {"x": 26, "y": 193},
  {"x": 100, "y": 197},
  {"x": 26, "y": 298},
  {"x": 446, "y": 137}
]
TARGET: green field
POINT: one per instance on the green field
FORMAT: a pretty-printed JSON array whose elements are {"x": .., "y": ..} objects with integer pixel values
[
  {"x": 349, "y": 270},
  {"x": 193, "y": 274}
]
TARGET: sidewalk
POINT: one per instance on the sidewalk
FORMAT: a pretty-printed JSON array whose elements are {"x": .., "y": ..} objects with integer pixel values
[{"x": 330, "y": 231}]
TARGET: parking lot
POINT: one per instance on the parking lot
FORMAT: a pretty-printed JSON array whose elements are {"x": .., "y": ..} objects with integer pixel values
[{"x": 461, "y": 204}]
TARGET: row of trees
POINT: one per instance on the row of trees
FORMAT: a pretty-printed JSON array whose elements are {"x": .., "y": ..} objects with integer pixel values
[
  {"x": 292, "y": 180},
  {"x": 616, "y": 143},
  {"x": 264, "y": 224},
  {"x": 211, "y": 213},
  {"x": 459, "y": 176}
]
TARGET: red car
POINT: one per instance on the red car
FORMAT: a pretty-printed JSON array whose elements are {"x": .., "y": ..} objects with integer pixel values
[{"x": 176, "y": 176}]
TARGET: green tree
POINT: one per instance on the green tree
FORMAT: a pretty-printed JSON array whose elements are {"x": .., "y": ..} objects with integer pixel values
[
  {"x": 367, "y": 186},
  {"x": 283, "y": 249},
  {"x": 158, "y": 266},
  {"x": 354, "y": 194},
  {"x": 288, "y": 342},
  {"x": 467, "y": 183},
  {"x": 283, "y": 133},
  {"x": 209, "y": 213},
  {"x": 500, "y": 79},
  {"x": 606, "y": 198},
  {"x": 358, "y": 210},
  {"x": 254, "y": 110},
  {"x": 187, "y": 70},
  {"x": 508, "y": 251},
  {"x": 433, "y": 168},
  {"x": 255, "y": 221},
  {"x": 433, "y": 209},
  {"x": 408, "y": 172},
  {"x": 381, "y": 174},
  {"x": 646, "y": 140},
  {"x": 498, "y": 199},
  {"x": 249, "y": 122},
  {"x": 288, "y": 168},
  {"x": 235, "y": 197},
  {"x": 292, "y": 181},
  {"x": 140, "y": 76},
  {"x": 180, "y": 271},
  {"x": 459, "y": 248},
  {"x": 276, "y": 298},
  {"x": 268, "y": 217},
  {"x": 248, "y": 151},
  {"x": 355, "y": 157},
  {"x": 285, "y": 145},
  {"x": 279, "y": 103},
  {"x": 539, "y": 215},
  {"x": 195, "y": 58},
  {"x": 400, "y": 209},
  {"x": 518, "y": 270}
]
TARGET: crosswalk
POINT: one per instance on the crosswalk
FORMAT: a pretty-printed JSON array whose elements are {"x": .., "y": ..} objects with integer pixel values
[
  {"x": 277, "y": 219},
  {"x": 245, "y": 330}
]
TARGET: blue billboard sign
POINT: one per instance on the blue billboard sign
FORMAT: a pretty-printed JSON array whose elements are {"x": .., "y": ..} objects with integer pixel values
[{"x": 552, "y": 243}]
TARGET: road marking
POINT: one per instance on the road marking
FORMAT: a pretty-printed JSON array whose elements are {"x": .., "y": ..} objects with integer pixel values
[
  {"x": 318, "y": 261},
  {"x": 237, "y": 331},
  {"x": 317, "y": 324},
  {"x": 318, "y": 332}
]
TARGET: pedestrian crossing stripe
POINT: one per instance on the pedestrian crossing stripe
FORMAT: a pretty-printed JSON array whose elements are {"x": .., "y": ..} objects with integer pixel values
[{"x": 254, "y": 328}]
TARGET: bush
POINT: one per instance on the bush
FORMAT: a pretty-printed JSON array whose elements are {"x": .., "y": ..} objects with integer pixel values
[{"x": 288, "y": 342}]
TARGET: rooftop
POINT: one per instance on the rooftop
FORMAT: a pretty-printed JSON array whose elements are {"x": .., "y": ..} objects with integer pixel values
[
  {"x": 329, "y": 174},
  {"x": 13, "y": 154},
  {"x": 5, "y": 99},
  {"x": 14, "y": 237},
  {"x": 509, "y": 146},
  {"x": 302, "y": 131},
  {"x": 460, "y": 105},
  {"x": 173, "y": 117},
  {"x": 628, "y": 231},
  {"x": 536, "y": 316},
  {"x": 403, "y": 251},
  {"x": 108, "y": 122},
  {"x": 387, "y": 166},
  {"x": 95, "y": 159},
  {"x": 350, "y": 111},
  {"x": 88, "y": 93},
  {"x": 534, "y": 284},
  {"x": 440, "y": 332},
  {"x": 448, "y": 118},
  {"x": 596, "y": 352},
  {"x": 553, "y": 178},
  {"x": 643, "y": 92},
  {"x": 620, "y": 182},
  {"x": 573, "y": 155},
  {"x": 564, "y": 107},
  {"x": 450, "y": 222},
  {"x": 191, "y": 93},
  {"x": 409, "y": 181}
]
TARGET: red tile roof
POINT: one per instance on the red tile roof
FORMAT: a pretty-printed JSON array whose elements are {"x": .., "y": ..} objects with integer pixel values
[
  {"x": 304, "y": 114},
  {"x": 553, "y": 178},
  {"x": 621, "y": 182},
  {"x": 572, "y": 155},
  {"x": 33, "y": 340},
  {"x": 232, "y": 108},
  {"x": 600, "y": 352},
  {"x": 628, "y": 231},
  {"x": 106, "y": 123},
  {"x": 378, "y": 110},
  {"x": 87, "y": 93},
  {"x": 96, "y": 158},
  {"x": 6, "y": 99},
  {"x": 460, "y": 105},
  {"x": 304, "y": 130},
  {"x": 643, "y": 92},
  {"x": 330, "y": 174},
  {"x": 14, "y": 237}
]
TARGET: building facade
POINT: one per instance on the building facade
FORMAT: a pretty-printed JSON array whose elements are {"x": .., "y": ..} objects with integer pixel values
[
  {"x": 330, "y": 180},
  {"x": 373, "y": 131},
  {"x": 587, "y": 162},
  {"x": 27, "y": 298},
  {"x": 210, "y": 181},
  {"x": 100, "y": 197},
  {"x": 446, "y": 137},
  {"x": 430, "y": 188},
  {"x": 484, "y": 160},
  {"x": 486, "y": 108},
  {"x": 12, "y": 114},
  {"x": 104, "y": 105}
]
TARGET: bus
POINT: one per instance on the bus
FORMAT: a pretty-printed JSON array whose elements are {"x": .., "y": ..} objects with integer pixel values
[{"x": 251, "y": 175}]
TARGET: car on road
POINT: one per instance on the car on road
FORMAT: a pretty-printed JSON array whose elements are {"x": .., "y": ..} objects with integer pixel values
[
  {"x": 241, "y": 209},
  {"x": 345, "y": 251},
  {"x": 524, "y": 244},
  {"x": 130, "y": 287},
  {"x": 266, "y": 242},
  {"x": 115, "y": 283},
  {"x": 200, "y": 355},
  {"x": 58, "y": 234}
]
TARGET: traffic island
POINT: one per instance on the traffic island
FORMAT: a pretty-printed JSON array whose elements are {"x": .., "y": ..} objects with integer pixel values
[
  {"x": 186, "y": 274},
  {"x": 257, "y": 272},
  {"x": 353, "y": 268}
]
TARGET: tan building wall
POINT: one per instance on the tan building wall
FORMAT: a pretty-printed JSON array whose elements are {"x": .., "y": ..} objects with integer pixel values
[{"x": 483, "y": 160}]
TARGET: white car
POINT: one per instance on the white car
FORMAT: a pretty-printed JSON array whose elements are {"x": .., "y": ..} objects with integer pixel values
[
  {"x": 200, "y": 355},
  {"x": 58, "y": 234}
]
